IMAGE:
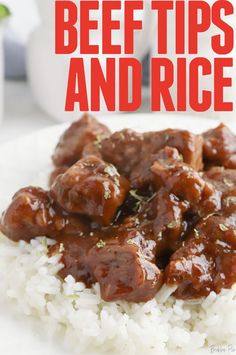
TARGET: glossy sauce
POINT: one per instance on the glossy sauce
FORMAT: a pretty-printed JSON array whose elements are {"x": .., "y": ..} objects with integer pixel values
[{"x": 132, "y": 211}]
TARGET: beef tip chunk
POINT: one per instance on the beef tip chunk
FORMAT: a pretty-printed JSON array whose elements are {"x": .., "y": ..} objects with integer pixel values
[
  {"x": 223, "y": 179},
  {"x": 188, "y": 145},
  {"x": 142, "y": 176},
  {"x": 91, "y": 187},
  {"x": 56, "y": 172},
  {"x": 219, "y": 147},
  {"x": 126, "y": 270},
  {"x": 121, "y": 260},
  {"x": 191, "y": 270},
  {"x": 27, "y": 215},
  {"x": 74, "y": 251},
  {"x": 207, "y": 260},
  {"x": 184, "y": 198},
  {"x": 32, "y": 214},
  {"x": 93, "y": 148},
  {"x": 169, "y": 224},
  {"x": 123, "y": 149},
  {"x": 72, "y": 143},
  {"x": 188, "y": 186},
  {"x": 127, "y": 150}
]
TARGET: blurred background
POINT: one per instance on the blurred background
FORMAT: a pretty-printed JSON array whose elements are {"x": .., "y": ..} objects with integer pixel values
[
  {"x": 36, "y": 79},
  {"x": 28, "y": 37},
  {"x": 27, "y": 44},
  {"x": 20, "y": 113}
]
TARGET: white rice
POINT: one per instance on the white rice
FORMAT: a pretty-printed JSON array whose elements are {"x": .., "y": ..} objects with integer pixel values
[{"x": 87, "y": 324}]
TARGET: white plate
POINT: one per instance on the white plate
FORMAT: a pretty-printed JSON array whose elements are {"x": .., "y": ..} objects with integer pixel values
[{"x": 21, "y": 162}]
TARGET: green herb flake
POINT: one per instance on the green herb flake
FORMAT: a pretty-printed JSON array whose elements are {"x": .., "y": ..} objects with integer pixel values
[
  {"x": 152, "y": 197},
  {"x": 209, "y": 215},
  {"x": 159, "y": 236},
  {"x": 117, "y": 182},
  {"x": 230, "y": 200},
  {"x": 223, "y": 228},
  {"x": 181, "y": 158},
  {"x": 107, "y": 194},
  {"x": 166, "y": 137},
  {"x": 98, "y": 141},
  {"x": 107, "y": 191},
  {"x": 61, "y": 248},
  {"x": 228, "y": 183},
  {"x": 172, "y": 224},
  {"x": 131, "y": 242},
  {"x": 101, "y": 244},
  {"x": 73, "y": 297},
  {"x": 196, "y": 232},
  {"x": 134, "y": 194},
  {"x": 122, "y": 136},
  {"x": 111, "y": 170},
  {"x": 44, "y": 243}
]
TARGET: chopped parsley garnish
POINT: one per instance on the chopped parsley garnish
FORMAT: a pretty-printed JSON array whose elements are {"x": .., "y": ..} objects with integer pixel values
[
  {"x": 122, "y": 136},
  {"x": 44, "y": 243},
  {"x": 172, "y": 224},
  {"x": 131, "y": 242},
  {"x": 230, "y": 200},
  {"x": 228, "y": 183},
  {"x": 111, "y": 170},
  {"x": 223, "y": 227},
  {"x": 101, "y": 244},
  {"x": 134, "y": 194},
  {"x": 61, "y": 248},
  {"x": 196, "y": 232},
  {"x": 209, "y": 215},
  {"x": 107, "y": 192},
  {"x": 98, "y": 141}
]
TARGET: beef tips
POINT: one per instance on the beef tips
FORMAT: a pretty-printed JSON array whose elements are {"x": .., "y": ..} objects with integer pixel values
[
  {"x": 142, "y": 176},
  {"x": 207, "y": 260},
  {"x": 123, "y": 149},
  {"x": 183, "y": 199},
  {"x": 134, "y": 153},
  {"x": 56, "y": 172},
  {"x": 74, "y": 253},
  {"x": 219, "y": 147},
  {"x": 223, "y": 179},
  {"x": 169, "y": 224},
  {"x": 121, "y": 260},
  {"x": 131, "y": 210},
  {"x": 91, "y": 187},
  {"x": 126, "y": 269},
  {"x": 32, "y": 214},
  {"x": 188, "y": 144},
  {"x": 72, "y": 143},
  {"x": 188, "y": 185}
]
